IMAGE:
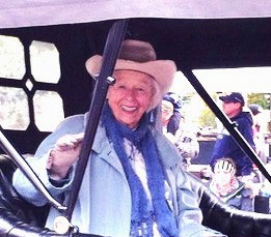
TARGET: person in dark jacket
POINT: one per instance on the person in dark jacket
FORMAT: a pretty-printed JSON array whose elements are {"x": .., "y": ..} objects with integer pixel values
[{"x": 225, "y": 145}]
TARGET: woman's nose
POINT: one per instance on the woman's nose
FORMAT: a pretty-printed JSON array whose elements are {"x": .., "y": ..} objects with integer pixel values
[{"x": 130, "y": 93}]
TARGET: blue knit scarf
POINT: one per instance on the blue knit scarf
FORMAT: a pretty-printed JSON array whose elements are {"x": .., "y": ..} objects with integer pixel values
[{"x": 142, "y": 213}]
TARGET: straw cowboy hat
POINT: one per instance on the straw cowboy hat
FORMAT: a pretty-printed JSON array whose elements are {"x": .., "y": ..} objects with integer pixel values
[{"x": 140, "y": 56}]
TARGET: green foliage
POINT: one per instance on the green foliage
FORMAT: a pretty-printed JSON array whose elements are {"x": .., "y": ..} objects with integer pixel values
[
  {"x": 260, "y": 99},
  {"x": 207, "y": 118}
]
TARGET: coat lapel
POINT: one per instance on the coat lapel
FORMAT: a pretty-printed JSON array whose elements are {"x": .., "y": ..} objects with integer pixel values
[{"x": 102, "y": 146}]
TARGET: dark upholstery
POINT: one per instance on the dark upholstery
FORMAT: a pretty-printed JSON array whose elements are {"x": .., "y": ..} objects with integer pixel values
[
  {"x": 232, "y": 222},
  {"x": 17, "y": 217},
  {"x": 20, "y": 219}
]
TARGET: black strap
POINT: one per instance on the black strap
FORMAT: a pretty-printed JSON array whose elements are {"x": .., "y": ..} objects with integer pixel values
[{"x": 110, "y": 55}]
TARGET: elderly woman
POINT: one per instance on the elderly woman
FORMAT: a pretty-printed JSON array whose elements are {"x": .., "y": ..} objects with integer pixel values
[{"x": 133, "y": 186}]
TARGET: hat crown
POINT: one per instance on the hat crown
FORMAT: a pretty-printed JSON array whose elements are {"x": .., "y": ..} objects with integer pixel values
[
  {"x": 233, "y": 97},
  {"x": 255, "y": 109},
  {"x": 137, "y": 51},
  {"x": 140, "y": 56}
]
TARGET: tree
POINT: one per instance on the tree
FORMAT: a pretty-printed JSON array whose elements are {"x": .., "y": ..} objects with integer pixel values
[
  {"x": 207, "y": 118},
  {"x": 260, "y": 99}
]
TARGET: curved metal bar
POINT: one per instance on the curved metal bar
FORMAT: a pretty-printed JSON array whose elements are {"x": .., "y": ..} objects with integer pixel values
[
  {"x": 27, "y": 170},
  {"x": 230, "y": 126},
  {"x": 110, "y": 55}
]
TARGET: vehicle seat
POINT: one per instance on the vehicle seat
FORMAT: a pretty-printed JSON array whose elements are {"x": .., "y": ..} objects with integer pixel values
[
  {"x": 36, "y": 216},
  {"x": 17, "y": 217},
  {"x": 21, "y": 219}
]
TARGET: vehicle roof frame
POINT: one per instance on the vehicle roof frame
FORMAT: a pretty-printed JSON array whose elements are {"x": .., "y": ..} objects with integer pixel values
[{"x": 103, "y": 85}]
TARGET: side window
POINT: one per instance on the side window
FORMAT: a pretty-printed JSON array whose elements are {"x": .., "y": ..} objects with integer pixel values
[{"x": 22, "y": 89}]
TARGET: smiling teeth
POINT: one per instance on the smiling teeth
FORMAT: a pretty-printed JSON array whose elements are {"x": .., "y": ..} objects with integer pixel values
[{"x": 130, "y": 109}]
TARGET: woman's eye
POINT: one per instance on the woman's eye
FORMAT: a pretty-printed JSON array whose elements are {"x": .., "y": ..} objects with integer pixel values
[
  {"x": 140, "y": 90},
  {"x": 120, "y": 87}
]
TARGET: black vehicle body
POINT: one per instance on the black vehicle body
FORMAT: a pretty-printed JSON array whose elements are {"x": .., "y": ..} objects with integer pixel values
[{"x": 191, "y": 35}]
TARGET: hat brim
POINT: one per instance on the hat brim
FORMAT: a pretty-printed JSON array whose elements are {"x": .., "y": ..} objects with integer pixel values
[
  {"x": 224, "y": 98},
  {"x": 228, "y": 99},
  {"x": 162, "y": 71}
]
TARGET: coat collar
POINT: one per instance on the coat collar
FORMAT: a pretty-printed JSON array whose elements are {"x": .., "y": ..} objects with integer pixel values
[{"x": 101, "y": 145}]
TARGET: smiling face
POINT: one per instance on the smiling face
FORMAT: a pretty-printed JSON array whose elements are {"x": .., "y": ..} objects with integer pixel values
[
  {"x": 223, "y": 178},
  {"x": 224, "y": 172},
  {"x": 131, "y": 96}
]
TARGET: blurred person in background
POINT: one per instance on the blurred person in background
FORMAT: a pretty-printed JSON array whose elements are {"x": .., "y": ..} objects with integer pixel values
[
  {"x": 167, "y": 109},
  {"x": 225, "y": 185},
  {"x": 187, "y": 143},
  {"x": 225, "y": 145},
  {"x": 175, "y": 118},
  {"x": 258, "y": 135},
  {"x": 184, "y": 139}
]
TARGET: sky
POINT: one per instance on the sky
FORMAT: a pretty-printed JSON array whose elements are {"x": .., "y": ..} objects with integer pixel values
[{"x": 244, "y": 80}]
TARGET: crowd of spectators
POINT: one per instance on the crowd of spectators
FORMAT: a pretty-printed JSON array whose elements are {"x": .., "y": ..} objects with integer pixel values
[{"x": 231, "y": 175}]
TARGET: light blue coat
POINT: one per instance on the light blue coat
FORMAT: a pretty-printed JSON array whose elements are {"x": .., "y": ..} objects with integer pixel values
[{"x": 104, "y": 203}]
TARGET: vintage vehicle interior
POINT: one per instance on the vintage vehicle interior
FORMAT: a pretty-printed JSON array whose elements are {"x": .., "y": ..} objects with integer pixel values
[{"x": 45, "y": 80}]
